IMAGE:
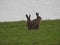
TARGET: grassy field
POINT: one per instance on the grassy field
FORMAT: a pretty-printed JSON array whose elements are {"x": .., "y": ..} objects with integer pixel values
[{"x": 16, "y": 33}]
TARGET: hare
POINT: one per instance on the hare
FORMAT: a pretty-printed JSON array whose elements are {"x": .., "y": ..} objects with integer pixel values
[
  {"x": 36, "y": 21},
  {"x": 28, "y": 22},
  {"x": 33, "y": 24}
]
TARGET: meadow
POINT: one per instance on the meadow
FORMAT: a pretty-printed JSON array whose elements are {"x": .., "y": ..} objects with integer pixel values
[{"x": 16, "y": 33}]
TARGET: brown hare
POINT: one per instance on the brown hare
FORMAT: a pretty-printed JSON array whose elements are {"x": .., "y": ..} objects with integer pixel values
[
  {"x": 36, "y": 21},
  {"x": 28, "y": 22},
  {"x": 33, "y": 24}
]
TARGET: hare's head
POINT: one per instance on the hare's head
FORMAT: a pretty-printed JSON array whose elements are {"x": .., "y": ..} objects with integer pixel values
[{"x": 38, "y": 17}]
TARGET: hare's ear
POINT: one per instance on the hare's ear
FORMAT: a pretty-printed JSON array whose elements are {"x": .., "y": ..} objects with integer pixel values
[
  {"x": 27, "y": 16},
  {"x": 37, "y": 14}
]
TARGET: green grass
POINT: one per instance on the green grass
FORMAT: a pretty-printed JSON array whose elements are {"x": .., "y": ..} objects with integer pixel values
[{"x": 16, "y": 33}]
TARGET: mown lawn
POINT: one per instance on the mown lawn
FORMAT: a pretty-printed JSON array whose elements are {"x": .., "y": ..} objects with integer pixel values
[{"x": 16, "y": 33}]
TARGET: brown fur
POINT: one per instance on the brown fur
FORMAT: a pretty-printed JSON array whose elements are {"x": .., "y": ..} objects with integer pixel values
[
  {"x": 28, "y": 21},
  {"x": 33, "y": 24}
]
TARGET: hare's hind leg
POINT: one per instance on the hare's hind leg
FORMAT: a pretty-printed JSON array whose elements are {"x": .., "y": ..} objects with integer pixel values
[{"x": 37, "y": 27}]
